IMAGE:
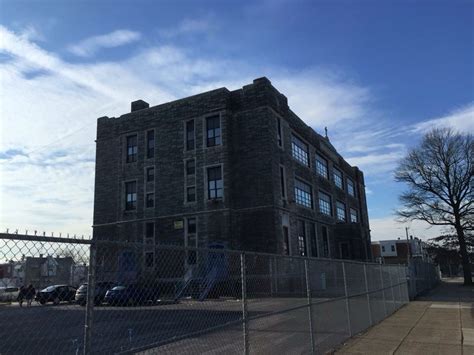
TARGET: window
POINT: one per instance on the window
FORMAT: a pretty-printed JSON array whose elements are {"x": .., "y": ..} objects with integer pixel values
[
  {"x": 191, "y": 194},
  {"x": 150, "y": 200},
  {"x": 383, "y": 248},
  {"x": 286, "y": 241},
  {"x": 131, "y": 195},
  {"x": 279, "y": 135},
  {"x": 150, "y": 144},
  {"x": 190, "y": 167},
  {"x": 322, "y": 167},
  {"x": 337, "y": 175},
  {"x": 150, "y": 174},
  {"x": 132, "y": 148},
  {"x": 191, "y": 241},
  {"x": 301, "y": 238},
  {"x": 392, "y": 247},
  {"x": 214, "y": 183},
  {"x": 353, "y": 214},
  {"x": 191, "y": 225},
  {"x": 190, "y": 141},
  {"x": 325, "y": 241},
  {"x": 299, "y": 150},
  {"x": 303, "y": 194},
  {"x": 313, "y": 240},
  {"x": 350, "y": 187},
  {"x": 282, "y": 182},
  {"x": 325, "y": 204},
  {"x": 341, "y": 211},
  {"x": 150, "y": 231},
  {"x": 213, "y": 127},
  {"x": 149, "y": 259}
]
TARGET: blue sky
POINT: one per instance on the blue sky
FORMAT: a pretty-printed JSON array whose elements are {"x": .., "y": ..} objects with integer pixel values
[{"x": 378, "y": 74}]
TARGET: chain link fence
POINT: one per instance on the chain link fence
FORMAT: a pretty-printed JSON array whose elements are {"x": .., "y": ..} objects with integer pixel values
[
  {"x": 422, "y": 276},
  {"x": 144, "y": 298}
]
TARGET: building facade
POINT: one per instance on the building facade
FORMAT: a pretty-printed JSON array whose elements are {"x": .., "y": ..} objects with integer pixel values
[
  {"x": 237, "y": 169},
  {"x": 400, "y": 251}
]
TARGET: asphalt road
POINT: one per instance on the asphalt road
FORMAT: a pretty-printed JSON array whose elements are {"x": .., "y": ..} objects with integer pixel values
[
  {"x": 59, "y": 329},
  {"x": 188, "y": 327}
]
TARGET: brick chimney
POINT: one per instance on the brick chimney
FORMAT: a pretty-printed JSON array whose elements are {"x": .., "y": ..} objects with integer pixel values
[{"x": 139, "y": 105}]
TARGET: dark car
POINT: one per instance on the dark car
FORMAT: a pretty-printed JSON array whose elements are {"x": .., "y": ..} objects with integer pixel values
[
  {"x": 101, "y": 289},
  {"x": 131, "y": 295},
  {"x": 56, "y": 294}
]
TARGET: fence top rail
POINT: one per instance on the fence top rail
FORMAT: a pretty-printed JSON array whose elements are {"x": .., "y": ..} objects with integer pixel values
[
  {"x": 97, "y": 242},
  {"x": 40, "y": 238}
]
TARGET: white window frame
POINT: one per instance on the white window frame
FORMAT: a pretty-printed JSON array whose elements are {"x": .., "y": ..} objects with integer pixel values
[
  {"x": 321, "y": 192},
  {"x": 282, "y": 178},
  {"x": 287, "y": 226},
  {"x": 311, "y": 192},
  {"x": 356, "y": 214},
  {"x": 124, "y": 189},
  {"x": 186, "y": 186},
  {"x": 147, "y": 245},
  {"x": 308, "y": 163},
  {"x": 337, "y": 211},
  {"x": 334, "y": 174},
  {"x": 280, "y": 137},
  {"x": 146, "y": 144},
  {"x": 204, "y": 130},
  {"x": 318, "y": 160},
  {"x": 186, "y": 239},
  {"x": 354, "y": 194},
  {"x": 206, "y": 186}
]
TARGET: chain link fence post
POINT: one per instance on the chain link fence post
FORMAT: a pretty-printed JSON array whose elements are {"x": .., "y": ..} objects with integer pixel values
[
  {"x": 243, "y": 276},
  {"x": 90, "y": 300},
  {"x": 310, "y": 315},
  {"x": 391, "y": 287},
  {"x": 383, "y": 291},
  {"x": 347, "y": 299},
  {"x": 367, "y": 292},
  {"x": 400, "y": 302}
]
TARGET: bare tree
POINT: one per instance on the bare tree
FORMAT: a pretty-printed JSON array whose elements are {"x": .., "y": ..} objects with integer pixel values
[{"x": 440, "y": 178}]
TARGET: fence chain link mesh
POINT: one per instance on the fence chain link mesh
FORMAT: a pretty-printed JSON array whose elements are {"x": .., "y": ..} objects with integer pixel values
[{"x": 112, "y": 297}]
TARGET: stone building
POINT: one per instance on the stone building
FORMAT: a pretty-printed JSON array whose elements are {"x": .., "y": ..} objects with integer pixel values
[{"x": 235, "y": 168}]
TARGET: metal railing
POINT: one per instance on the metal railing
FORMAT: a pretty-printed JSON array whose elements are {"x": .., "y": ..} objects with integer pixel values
[{"x": 190, "y": 300}]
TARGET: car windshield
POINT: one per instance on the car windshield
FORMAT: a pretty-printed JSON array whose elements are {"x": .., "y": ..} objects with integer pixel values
[
  {"x": 118, "y": 288},
  {"x": 49, "y": 289},
  {"x": 83, "y": 287}
]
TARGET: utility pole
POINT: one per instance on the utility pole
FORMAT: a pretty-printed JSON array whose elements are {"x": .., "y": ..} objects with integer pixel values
[{"x": 408, "y": 246}]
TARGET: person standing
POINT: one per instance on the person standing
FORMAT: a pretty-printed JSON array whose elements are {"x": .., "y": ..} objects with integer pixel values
[
  {"x": 21, "y": 295},
  {"x": 30, "y": 294}
]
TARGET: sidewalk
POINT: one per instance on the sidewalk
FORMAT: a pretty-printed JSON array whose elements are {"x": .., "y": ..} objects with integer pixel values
[{"x": 441, "y": 322}]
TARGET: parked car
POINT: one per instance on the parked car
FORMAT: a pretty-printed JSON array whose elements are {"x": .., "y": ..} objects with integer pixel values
[
  {"x": 9, "y": 294},
  {"x": 56, "y": 294},
  {"x": 101, "y": 289},
  {"x": 133, "y": 294}
]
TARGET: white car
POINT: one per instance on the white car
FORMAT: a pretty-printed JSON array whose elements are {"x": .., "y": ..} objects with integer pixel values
[{"x": 9, "y": 294}]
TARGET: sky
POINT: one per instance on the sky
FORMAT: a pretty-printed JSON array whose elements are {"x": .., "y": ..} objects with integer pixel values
[{"x": 379, "y": 74}]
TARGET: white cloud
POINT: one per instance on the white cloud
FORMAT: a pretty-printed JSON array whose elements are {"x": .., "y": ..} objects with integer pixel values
[
  {"x": 377, "y": 163},
  {"x": 89, "y": 46},
  {"x": 186, "y": 27},
  {"x": 461, "y": 120},
  {"x": 388, "y": 228},
  {"x": 31, "y": 33},
  {"x": 50, "y": 106}
]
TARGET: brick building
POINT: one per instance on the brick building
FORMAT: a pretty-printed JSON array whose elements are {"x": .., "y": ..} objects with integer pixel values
[
  {"x": 234, "y": 168},
  {"x": 400, "y": 251}
]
